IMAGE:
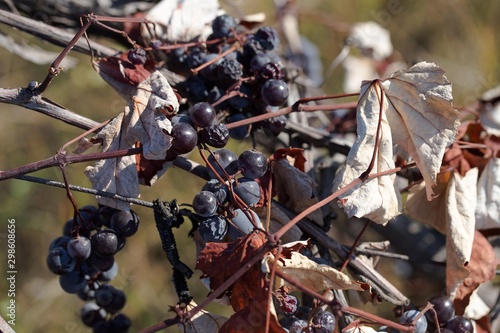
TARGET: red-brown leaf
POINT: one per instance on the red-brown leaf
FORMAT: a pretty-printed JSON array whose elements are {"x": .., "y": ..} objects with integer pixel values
[
  {"x": 482, "y": 265},
  {"x": 220, "y": 261}
]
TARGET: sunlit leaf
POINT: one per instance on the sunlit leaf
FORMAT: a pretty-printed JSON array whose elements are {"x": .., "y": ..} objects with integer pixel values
[{"x": 488, "y": 196}]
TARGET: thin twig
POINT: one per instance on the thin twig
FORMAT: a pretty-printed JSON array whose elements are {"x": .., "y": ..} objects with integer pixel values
[{"x": 82, "y": 189}]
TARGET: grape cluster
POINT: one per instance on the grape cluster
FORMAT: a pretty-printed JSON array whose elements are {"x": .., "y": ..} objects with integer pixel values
[
  {"x": 444, "y": 311},
  {"x": 248, "y": 80},
  {"x": 224, "y": 203},
  {"x": 83, "y": 257}
]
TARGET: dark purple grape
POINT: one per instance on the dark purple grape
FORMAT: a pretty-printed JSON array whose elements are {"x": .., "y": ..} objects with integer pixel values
[
  {"x": 267, "y": 37},
  {"x": 274, "y": 92},
  {"x": 213, "y": 229},
  {"x": 185, "y": 138},
  {"x": 88, "y": 218},
  {"x": 196, "y": 58},
  {"x": 219, "y": 190},
  {"x": 110, "y": 298},
  {"x": 205, "y": 203},
  {"x": 271, "y": 70},
  {"x": 459, "y": 324},
  {"x": 61, "y": 241},
  {"x": 241, "y": 102},
  {"x": 155, "y": 44},
  {"x": 101, "y": 264},
  {"x": 252, "y": 163},
  {"x": 223, "y": 159},
  {"x": 275, "y": 125},
  {"x": 288, "y": 304},
  {"x": 92, "y": 313},
  {"x": 222, "y": 26},
  {"x": 241, "y": 225},
  {"x": 210, "y": 72},
  {"x": 104, "y": 243},
  {"x": 73, "y": 282},
  {"x": 125, "y": 223},
  {"x": 120, "y": 324},
  {"x": 250, "y": 49},
  {"x": 409, "y": 316},
  {"x": 298, "y": 326},
  {"x": 137, "y": 56},
  {"x": 102, "y": 327},
  {"x": 59, "y": 261},
  {"x": 241, "y": 132},
  {"x": 196, "y": 89},
  {"x": 444, "y": 309},
  {"x": 229, "y": 71},
  {"x": 88, "y": 292},
  {"x": 79, "y": 248},
  {"x": 324, "y": 322},
  {"x": 180, "y": 118},
  {"x": 215, "y": 135},
  {"x": 104, "y": 214},
  {"x": 110, "y": 274},
  {"x": 248, "y": 190},
  {"x": 259, "y": 61},
  {"x": 202, "y": 114}
]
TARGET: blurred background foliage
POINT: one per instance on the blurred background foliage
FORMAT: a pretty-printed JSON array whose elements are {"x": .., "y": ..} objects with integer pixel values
[{"x": 460, "y": 36}]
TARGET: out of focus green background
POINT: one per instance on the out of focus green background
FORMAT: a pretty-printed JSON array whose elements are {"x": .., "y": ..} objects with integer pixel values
[{"x": 460, "y": 36}]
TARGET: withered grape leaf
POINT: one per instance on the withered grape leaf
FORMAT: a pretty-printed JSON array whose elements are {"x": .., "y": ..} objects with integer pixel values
[
  {"x": 295, "y": 189},
  {"x": 178, "y": 21},
  {"x": 307, "y": 272},
  {"x": 376, "y": 199},
  {"x": 460, "y": 204},
  {"x": 202, "y": 321},
  {"x": 143, "y": 120},
  {"x": 421, "y": 116},
  {"x": 482, "y": 265},
  {"x": 451, "y": 213},
  {"x": 488, "y": 196},
  {"x": 415, "y": 106}
]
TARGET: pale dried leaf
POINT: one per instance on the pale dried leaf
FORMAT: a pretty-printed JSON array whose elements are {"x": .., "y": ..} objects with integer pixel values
[
  {"x": 359, "y": 329},
  {"x": 421, "y": 115},
  {"x": 183, "y": 21},
  {"x": 295, "y": 189},
  {"x": 460, "y": 205},
  {"x": 488, "y": 196},
  {"x": 202, "y": 321},
  {"x": 377, "y": 199},
  {"x": 476, "y": 308},
  {"x": 143, "y": 121},
  {"x": 148, "y": 122},
  {"x": 373, "y": 40},
  {"x": 357, "y": 70},
  {"x": 114, "y": 175},
  {"x": 305, "y": 271},
  {"x": 83, "y": 145}
]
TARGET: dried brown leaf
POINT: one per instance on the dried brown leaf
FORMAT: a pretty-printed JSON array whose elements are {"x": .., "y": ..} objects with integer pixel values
[
  {"x": 482, "y": 266},
  {"x": 278, "y": 220},
  {"x": 143, "y": 121},
  {"x": 295, "y": 189},
  {"x": 460, "y": 203},
  {"x": 202, "y": 321},
  {"x": 307, "y": 272},
  {"x": 377, "y": 199},
  {"x": 421, "y": 116}
]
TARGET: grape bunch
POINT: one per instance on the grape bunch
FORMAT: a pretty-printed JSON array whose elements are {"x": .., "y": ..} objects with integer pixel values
[
  {"x": 83, "y": 258},
  {"x": 446, "y": 318},
  {"x": 444, "y": 311},
  {"x": 224, "y": 204},
  {"x": 248, "y": 80}
]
